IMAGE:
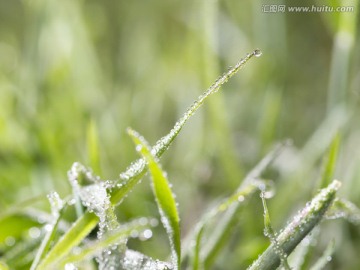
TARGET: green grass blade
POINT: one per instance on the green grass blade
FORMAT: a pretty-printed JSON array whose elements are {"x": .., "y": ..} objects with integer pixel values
[
  {"x": 331, "y": 162},
  {"x": 342, "y": 208},
  {"x": 49, "y": 237},
  {"x": 269, "y": 232},
  {"x": 237, "y": 198},
  {"x": 137, "y": 170},
  {"x": 222, "y": 231},
  {"x": 164, "y": 197},
  {"x": 80, "y": 229},
  {"x": 298, "y": 228},
  {"x": 325, "y": 258},
  {"x": 111, "y": 238}
]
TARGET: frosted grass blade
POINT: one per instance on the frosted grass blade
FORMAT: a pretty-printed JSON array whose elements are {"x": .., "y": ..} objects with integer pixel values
[
  {"x": 136, "y": 171},
  {"x": 80, "y": 229},
  {"x": 49, "y": 237},
  {"x": 300, "y": 226},
  {"x": 112, "y": 238},
  {"x": 164, "y": 197},
  {"x": 222, "y": 231}
]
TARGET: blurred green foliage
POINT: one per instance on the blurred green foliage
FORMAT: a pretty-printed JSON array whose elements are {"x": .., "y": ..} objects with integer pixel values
[{"x": 75, "y": 74}]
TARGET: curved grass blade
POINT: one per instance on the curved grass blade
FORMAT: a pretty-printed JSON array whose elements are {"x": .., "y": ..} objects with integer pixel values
[
  {"x": 49, "y": 237},
  {"x": 80, "y": 229},
  {"x": 325, "y": 258},
  {"x": 330, "y": 165},
  {"x": 221, "y": 233},
  {"x": 136, "y": 171},
  {"x": 269, "y": 232},
  {"x": 238, "y": 197},
  {"x": 164, "y": 197},
  {"x": 298, "y": 228},
  {"x": 111, "y": 238},
  {"x": 342, "y": 208},
  {"x": 93, "y": 147}
]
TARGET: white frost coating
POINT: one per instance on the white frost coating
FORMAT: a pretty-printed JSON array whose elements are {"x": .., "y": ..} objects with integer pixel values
[
  {"x": 136, "y": 261},
  {"x": 56, "y": 203},
  {"x": 93, "y": 193},
  {"x": 309, "y": 210},
  {"x": 70, "y": 266}
]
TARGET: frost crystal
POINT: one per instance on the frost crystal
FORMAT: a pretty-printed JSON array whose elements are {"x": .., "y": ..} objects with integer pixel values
[{"x": 136, "y": 261}]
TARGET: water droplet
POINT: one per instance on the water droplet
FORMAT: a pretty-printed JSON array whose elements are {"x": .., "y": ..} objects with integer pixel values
[
  {"x": 70, "y": 266},
  {"x": 257, "y": 53},
  {"x": 10, "y": 241},
  {"x": 34, "y": 232}
]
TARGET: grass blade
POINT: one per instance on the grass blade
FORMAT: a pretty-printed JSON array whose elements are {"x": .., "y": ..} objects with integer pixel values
[
  {"x": 222, "y": 231},
  {"x": 164, "y": 197},
  {"x": 300, "y": 226},
  {"x": 325, "y": 258},
  {"x": 136, "y": 171},
  {"x": 49, "y": 236},
  {"x": 112, "y": 238},
  {"x": 80, "y": 229}
]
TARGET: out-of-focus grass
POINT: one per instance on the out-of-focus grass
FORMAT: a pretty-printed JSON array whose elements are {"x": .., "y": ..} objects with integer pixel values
[{"x": 75, "y": 74}]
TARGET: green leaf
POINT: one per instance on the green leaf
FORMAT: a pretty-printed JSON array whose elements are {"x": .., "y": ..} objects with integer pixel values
[
  {"x": 120, "y": 234},
  {"x": 325, "y": 258},
  {"x": 80, "y": 229},
  {"x": 136, "y": 171},
  {"x": 164, "y": 197},
  {"x": 45, "y": 244},
  {"x": 342, "y": 208},
  {"x": 298, "y": 228},
  {"x": 331, "y": 162},
  {"x": 221, "y": 233}
]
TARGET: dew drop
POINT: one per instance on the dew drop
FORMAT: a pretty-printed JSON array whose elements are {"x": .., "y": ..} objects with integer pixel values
[
  {"x": 10, "y": 241},
  {"x": 34, "y": 232},
  {"x": 257, "y": 53}
]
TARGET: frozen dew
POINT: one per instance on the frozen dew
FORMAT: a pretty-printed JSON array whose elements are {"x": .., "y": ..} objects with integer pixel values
[
  {"x": 145, "y": 235},
  {"x": 70, "y": 266},
  {"x": 10, "y": 241},
  {"x": 241, "y": 198},
  {"x": 257, "y": 53},
  {"x": 134, "y": 260},
  {"x": 55, "y": 202},
  {"x": 34, "y": 232}
]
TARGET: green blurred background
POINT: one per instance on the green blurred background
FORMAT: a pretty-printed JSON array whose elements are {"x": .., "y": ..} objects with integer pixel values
[{"x": 75, "y": 74}]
